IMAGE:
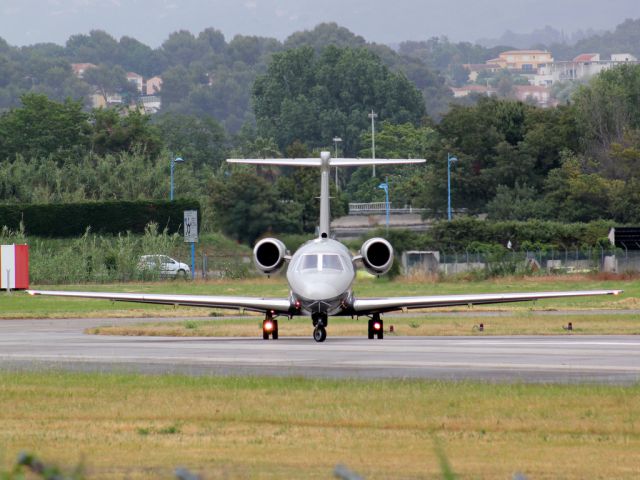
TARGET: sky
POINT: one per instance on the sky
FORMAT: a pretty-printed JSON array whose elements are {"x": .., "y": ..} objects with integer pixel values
[{"x": 25, "y": 22}]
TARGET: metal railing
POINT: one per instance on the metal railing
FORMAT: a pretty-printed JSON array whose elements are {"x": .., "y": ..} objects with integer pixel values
[{"x": 379, "y": 207}]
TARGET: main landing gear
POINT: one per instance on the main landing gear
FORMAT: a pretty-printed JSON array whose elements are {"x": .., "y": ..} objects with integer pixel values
[
  {"x": 320, "y": 321},
  {"x": 269, "y": 328},
  {"x": 376, "y": 327}
]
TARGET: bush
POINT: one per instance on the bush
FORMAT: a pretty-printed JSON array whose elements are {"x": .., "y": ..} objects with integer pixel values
[{"x": 72, "y": 219}]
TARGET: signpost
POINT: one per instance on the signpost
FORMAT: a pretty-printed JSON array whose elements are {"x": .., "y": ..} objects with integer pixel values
[{"x": 191, "y": 236}]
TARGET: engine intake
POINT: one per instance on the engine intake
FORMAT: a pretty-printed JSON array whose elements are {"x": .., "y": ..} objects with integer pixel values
[
  {"x": 269, "y": 255},
  {"x": 377, "y": 256}
]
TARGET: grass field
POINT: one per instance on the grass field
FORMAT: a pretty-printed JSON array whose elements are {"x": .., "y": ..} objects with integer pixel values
[
  {"x": 139, "y": 427},
  {"x": 20, "y": 305}
]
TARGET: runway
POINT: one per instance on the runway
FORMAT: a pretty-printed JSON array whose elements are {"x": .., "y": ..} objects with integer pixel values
[{"x": 60, "y": 344}]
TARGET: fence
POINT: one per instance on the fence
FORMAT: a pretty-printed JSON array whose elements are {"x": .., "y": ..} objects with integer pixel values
[{"x": 511, "y": 262}]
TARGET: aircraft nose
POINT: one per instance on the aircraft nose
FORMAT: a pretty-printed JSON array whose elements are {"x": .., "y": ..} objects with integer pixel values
[{"x": 321, "y": 291}]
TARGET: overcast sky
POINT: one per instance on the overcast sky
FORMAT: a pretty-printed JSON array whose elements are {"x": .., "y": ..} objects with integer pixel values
[{"x": 24, "y": 22}]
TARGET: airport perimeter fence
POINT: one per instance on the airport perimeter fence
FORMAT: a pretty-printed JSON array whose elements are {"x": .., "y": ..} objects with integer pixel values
[{"x": 510, "y": 262}]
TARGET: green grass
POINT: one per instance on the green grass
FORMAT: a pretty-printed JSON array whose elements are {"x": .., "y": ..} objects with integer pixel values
[
  {"x": 20, "y": 305},
  {"x": 139, "y": 427}
]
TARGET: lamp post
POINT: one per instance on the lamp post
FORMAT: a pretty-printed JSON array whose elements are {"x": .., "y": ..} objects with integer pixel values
[
  {"x": 336, "y": 140},
  {"x": 174, "y": 160},
  {"x": 450, "y": 160},
  {"x": 373, "y": 117},
  {"x": 385, "y": 186}
]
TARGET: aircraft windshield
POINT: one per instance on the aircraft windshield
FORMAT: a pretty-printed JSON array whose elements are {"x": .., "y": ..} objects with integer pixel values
[
  {"x": 331, "y": 262},
  {"x": 321, "y": 262}
]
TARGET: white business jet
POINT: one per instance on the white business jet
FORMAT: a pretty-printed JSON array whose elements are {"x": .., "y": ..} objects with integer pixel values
[{"x": 321, "y": 273}]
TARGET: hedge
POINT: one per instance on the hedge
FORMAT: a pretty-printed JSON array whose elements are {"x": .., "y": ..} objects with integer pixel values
[{"x": 73, "y": 219}]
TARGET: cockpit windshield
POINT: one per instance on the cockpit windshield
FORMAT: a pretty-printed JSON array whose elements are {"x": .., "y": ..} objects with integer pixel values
[{"x": 321, "y": 262}]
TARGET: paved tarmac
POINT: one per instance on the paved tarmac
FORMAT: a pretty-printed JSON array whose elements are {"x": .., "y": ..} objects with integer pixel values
[{"x": 61, "y": 344}]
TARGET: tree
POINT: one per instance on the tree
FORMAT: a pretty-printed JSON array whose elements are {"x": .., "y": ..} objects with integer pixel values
[
  {"x": 608, "y": 106},
  {"x": 310, "y": 97},
  {"x": 109, "y": 80},
  {"x": 42, "y": 128},
  {"x": 201, "y": 140},
  {"x": 129, "y": 131},
  {"x": 246, "y": 206}
]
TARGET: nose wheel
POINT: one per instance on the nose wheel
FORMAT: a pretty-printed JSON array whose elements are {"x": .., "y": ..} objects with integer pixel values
[
  {"x": 319, "y": 333},
  {"x": 320, "y": 321}
]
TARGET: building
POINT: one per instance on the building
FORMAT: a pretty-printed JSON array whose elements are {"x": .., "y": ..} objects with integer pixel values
[
  {"x": 623, "y": 57},
  {"x": 582, "y": 67},
  {"x": 80, "y": 68},
  {"x": 136, "y": 79},
  {"x": 541, "y": 95},
  {"x": 153, "y": 85},
  {"x": 150, "y": 103},
  {"x": 524, "y": 60},
  {"x": 467, "y": 90},
  {"x": 475, "y": 69}
]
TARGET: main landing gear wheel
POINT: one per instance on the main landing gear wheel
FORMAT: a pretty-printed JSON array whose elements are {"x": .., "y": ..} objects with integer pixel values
[
  {"x": 269, "y": 329},
  {"x": 375, "y": 327},
  {"x": 319, "y": 334}
]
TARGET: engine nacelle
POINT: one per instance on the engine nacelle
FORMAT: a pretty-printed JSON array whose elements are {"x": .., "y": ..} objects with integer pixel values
[
  {"x": 269, "y": 255},
  {"x": 377, "y": 256}
]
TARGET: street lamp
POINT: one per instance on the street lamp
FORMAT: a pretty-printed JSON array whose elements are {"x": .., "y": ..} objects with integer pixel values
[
  {"x": 450, "y": 160},
  {"x": 173, "y": 166},
  {"x": 385, "y": 186},
  {"x": 336, "y": 140},
  {"x": 373, "y": 117}
]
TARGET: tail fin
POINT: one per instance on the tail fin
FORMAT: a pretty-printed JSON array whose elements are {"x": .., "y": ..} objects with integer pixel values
[{"x": 325, "y": 162}]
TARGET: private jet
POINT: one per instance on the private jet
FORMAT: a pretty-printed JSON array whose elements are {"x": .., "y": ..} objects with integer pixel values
[{"x": 321, "y": 273}]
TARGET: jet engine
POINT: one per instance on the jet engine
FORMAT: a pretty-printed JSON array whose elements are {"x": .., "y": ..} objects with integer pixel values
[
  {"x": 269, "y": 255},
  {"x": 377, "y": 256}
]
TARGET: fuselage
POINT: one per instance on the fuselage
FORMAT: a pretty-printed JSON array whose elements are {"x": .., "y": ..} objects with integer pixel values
[{"x": 320, "y": 275}]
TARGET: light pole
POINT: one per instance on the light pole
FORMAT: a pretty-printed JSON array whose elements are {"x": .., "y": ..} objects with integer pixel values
[
  {"x": 336, "y": 140},
  {"x": 173, "y": 166},
  {"x": 450, "y": 160},
  {"x": 385, "y": 186},
  {"x": 373, "y": 115}
]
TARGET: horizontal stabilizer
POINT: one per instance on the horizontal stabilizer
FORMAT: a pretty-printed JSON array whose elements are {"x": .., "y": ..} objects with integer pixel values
[
  {"x": 357, "y": 162},
  {"x": 292, "y": 162},
  {"x": 333, "y": 162}
]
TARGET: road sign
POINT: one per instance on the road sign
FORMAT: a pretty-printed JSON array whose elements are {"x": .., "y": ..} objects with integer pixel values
[{"x": 190, "y": 226}]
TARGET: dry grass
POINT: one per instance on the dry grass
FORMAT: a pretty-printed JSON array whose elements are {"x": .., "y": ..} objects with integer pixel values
[
  {"x": 531, "y": 323},
  {"x": 136, "y": 427}
]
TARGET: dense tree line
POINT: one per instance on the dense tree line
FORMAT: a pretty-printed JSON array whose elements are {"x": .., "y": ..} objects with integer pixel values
[{"x": 576, "y": 162}]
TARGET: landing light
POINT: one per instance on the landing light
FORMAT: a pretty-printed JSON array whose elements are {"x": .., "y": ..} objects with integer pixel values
[
  {"x": 268, "y": 326},
  {"x": 376, "y": 326}
]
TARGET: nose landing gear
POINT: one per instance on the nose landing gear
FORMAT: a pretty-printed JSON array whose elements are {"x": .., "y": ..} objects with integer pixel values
[{"x": 320, "y": 321}]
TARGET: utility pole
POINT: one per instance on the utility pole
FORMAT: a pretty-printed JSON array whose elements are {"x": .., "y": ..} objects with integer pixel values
[
  {"x": 373, "y": 115},
  {"x": 335, "y": 143}
]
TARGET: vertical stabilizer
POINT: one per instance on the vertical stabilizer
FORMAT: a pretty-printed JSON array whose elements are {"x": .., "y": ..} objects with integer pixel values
[{"x": 325, "y": 215}]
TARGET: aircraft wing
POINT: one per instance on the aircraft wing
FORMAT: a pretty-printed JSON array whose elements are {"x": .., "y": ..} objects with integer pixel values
[
  {"x": 365, "y": 306},
  {"x": 278, "y": 305}
]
